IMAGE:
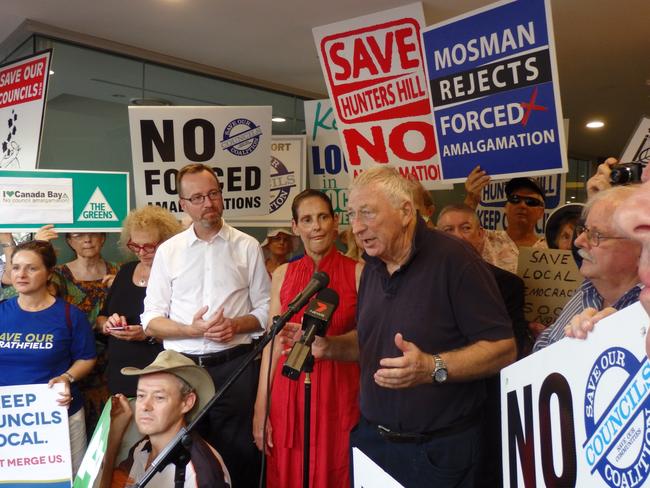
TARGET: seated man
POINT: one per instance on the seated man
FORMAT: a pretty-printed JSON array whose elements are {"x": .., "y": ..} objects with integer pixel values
[
  {"x": 524, "y": 207},
  {"x": 609, "y": 264},
  {"x": 171, "y": 391}
]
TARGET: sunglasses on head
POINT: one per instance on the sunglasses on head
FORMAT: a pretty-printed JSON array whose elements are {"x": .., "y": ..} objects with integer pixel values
[{"x": 528, "y": 201}]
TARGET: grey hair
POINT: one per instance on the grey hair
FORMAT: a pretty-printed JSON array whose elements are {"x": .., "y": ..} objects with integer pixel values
[
  {"x": 459, "y": 207},
  {"x": 614, "y": 195},
  {"x": 394, "y": 186}
]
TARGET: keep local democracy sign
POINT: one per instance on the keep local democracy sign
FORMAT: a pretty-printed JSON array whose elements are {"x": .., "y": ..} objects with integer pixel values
[
  {"x": 74, "y": 201},
  {"x": 235, "y": 141},
  {"x": 495, "y": 93},
  {"x": 374, "y": 72},
  {"x": 577, "y": 413},
  {"x": 34, "y": 437},
  {"x": 23, "y": 90},
  {"x": 491, "y": 210}
]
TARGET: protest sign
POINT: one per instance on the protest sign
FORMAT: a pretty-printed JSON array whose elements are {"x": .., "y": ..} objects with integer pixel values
[
  {"x": 638, "y": 147},
  {"x": 494, "y": 91},
  {"x": 91, "y": 464},
  {"x": 328, "y": 169},
  {"x": 367, "y": 473},
  {"x": 34, "y": 437},
  {"x": 491, "y": 212},
  {"x": 23, "y": 90},
  {"x": 375, "y": 77},
  {"x": 551, "y": 277},
  {"x": 74, "y": 201},
  {"x": 287, "y": 179},
  {"x": 577, "y": 413},
  {"x": 234, "y": 141}
]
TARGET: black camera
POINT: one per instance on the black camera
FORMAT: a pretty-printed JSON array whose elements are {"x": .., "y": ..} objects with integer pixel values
[{"x": 625, "y": 173}]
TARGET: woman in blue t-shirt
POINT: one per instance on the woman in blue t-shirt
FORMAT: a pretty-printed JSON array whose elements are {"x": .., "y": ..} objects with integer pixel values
[{"x": 46, "y": 340}]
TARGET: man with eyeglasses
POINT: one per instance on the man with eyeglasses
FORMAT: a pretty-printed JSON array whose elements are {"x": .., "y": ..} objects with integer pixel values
[
  {"x": 609, "y": 264},
  {"x": 207, "y": 297},
  {"x": 524, "y": 207}
]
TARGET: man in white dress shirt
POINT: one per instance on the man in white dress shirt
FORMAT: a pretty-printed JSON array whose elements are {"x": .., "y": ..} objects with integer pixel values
[{"x": 207, "y": 297}]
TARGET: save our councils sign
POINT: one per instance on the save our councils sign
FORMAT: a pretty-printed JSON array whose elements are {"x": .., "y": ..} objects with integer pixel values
[
  {"x": 74, "y": 201},
  {"x": 495, "y": 93},
  {"x": 577, "y": 413}
]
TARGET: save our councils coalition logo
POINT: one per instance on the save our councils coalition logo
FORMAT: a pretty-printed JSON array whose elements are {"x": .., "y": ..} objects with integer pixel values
[
  {"x": 282, "y": 181},
  {"x": 618, "y": 426},
  {"x": 241, "y": 137}
]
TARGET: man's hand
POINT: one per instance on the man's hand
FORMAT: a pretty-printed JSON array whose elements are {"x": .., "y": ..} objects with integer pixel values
[
  {"x": 46, "y": 233},
  {"x": 199, "y": 325},
  {"x": 474, "y": 184},
  {"x": 600, "y": 181},
  {"x": 583, "y": 323},
  {"x": 121, "y": 414},
  {"x": 222, "y": 329},
  {"x": 413, "y": 368}
]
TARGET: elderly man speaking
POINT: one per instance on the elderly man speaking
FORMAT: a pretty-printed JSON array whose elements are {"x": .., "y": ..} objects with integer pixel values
[
  {"x": 609, "y": 264},
  {"x": 431, "y": 325}
]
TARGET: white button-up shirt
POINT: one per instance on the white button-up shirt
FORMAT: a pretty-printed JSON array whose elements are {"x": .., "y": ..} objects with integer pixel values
[{"x": 188, "y": 273}]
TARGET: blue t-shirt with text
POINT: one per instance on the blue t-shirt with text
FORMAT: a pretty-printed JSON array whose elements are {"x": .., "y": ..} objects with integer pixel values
[{"x": 38, "y": 346}]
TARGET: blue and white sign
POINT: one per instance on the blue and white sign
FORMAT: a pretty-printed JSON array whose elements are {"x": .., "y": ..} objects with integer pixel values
[
  {"x": 491, "y": 210},
  {"x": 495, "y": 93},
  {"x": 577, "y": 413}
]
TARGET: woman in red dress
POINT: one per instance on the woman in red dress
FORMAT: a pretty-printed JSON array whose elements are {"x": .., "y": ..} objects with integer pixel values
[{"x": 335, "y": 379}]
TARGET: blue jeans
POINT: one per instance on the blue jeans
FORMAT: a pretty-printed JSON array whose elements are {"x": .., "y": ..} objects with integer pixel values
[{"x": 446, "y": 461}]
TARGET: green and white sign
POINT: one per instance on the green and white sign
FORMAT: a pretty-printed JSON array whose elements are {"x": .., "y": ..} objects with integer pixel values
[
  {"x": 74, "y": 201},
  {"x": 92, "y": 461}
]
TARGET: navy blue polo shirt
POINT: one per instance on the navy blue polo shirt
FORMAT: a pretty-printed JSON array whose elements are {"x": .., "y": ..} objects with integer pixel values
[{"x": 443, "y": 298}]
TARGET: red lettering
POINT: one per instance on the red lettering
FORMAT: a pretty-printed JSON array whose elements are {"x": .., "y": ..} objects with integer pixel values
[
  {"x": 339, "y": 61},
  {"x": 361, "y": 59},
  {"x": 376, "y": 148},
  {"x": 396, "y": 141},
  {"x": 384, "y": 59},
  {"x": 404, "y": 48}
]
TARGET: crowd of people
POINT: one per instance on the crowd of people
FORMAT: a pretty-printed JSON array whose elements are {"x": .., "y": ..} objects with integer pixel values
[{"x": 407, "y": 370}]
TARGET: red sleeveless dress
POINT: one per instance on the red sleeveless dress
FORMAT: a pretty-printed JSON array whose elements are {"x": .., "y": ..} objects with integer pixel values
[{"x": 334, "y": 390}]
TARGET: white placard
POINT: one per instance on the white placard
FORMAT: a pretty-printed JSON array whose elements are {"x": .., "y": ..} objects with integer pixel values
[
  {"x": 577, "y": 413},
  {"x": 235, "y": 141},
  {"x": 367, "y": 474},
  {"x": 34, "y": 438},
  {"x": 638, "y": 147},
  {"x": 36, "y": 200}
]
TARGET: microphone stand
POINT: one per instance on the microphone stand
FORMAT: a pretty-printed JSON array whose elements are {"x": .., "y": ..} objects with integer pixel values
[
  {"x": 177, "y": 451},
  {"x": 308, "y": 369}
]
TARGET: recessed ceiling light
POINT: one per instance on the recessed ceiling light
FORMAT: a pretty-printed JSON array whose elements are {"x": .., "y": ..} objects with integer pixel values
[
  {"x": 572, "y": 197},
  {"x": 278, "y": 119},
  {"x": 595, "y": 124}
]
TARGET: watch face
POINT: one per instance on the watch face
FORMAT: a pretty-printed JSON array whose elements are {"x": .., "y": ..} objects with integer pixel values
[{"x": 441, "y": 375}]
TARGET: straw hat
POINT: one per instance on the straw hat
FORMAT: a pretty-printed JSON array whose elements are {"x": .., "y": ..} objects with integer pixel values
[
  {"x": 274, "y": 232},
  {"x": 175, "y": 363}
]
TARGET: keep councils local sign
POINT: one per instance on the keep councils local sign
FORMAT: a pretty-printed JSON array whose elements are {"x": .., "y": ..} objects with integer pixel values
[{"x": 495, "y": 93}]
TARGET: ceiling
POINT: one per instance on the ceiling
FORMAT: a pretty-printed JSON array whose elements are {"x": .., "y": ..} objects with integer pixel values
[{"x": 603, "y": 46}]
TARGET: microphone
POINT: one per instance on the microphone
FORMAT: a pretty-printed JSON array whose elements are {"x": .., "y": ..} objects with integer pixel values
[
  {"x": 314, "y": 323},
  {"x": 319, "y": 280}
]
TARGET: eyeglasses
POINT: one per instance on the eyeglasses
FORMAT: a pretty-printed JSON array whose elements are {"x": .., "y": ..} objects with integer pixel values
[
  {"x": 147, "y": 248},
  {"x": 364, "y": 216},
  {"x": 593, "y": 236},
  {"x": 528, "y": 201},
  {"x": 213, "y": 195}
]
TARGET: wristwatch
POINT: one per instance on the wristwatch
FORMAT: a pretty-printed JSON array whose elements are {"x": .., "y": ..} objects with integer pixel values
[{"x": 439, "y": 374}]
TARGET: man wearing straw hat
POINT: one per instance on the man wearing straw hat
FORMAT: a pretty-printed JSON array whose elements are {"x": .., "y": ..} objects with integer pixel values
[{"x": 171, "y": 391}]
